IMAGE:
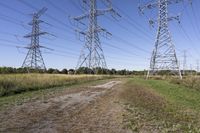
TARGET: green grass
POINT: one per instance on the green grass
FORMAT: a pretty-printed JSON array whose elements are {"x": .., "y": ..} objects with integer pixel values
[
  {"x": 11, "y": 84},
  {"x": 165, "y": 106},
  {"x": 177, "y": 94}
]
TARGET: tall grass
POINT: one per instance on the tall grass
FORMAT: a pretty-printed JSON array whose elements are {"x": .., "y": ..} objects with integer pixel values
[
  {"x": 192, "y": 82},
  {"x": 16, "y": 83}
]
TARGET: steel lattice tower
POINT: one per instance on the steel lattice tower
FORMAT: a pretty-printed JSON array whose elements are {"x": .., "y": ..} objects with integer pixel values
[
  {"x": 34, "y": 59},
  {"x": 184, "y": 62},
  {"x": 92, "y": 55},
  {"x": 164, "y": 54}
]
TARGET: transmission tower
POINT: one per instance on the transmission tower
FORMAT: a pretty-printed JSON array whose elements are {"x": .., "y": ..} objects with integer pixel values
[
  {"x": 164, "y": 55},
  {"x": 34, "y": 59},
  {"x": 92, "y": 55},
  {"x": 184, "y": 62}
]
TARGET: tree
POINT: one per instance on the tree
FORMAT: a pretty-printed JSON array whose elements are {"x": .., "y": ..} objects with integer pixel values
[
  {"x": 56, "y": 71},
  {"x": 50, "y": 70},
  {"x": 71, "y": 71},
  {"x": 64, "y": 71}
]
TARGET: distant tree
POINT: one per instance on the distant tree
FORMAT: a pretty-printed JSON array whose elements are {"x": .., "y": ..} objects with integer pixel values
[
  {"x": 71, "y": 71},
  {"x": 82, "y": 70},
  {"x": 113, "y": 71},
  {"x": 50, "y": 70},
  {"x": 56, "y": 71},
  {"x": 64, "y": 71},
  {"x": 98, "y": 70},
  {"x": 121, "y": 72}
]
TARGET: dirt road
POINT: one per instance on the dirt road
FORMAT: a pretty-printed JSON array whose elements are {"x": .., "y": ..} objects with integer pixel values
[{"x": 85, "y": 110}]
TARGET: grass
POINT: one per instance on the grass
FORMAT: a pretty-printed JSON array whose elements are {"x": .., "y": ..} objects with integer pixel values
[
  {"x": 11, "y": 84},
  {"x": 160, "y": 106},
  {"x": 175, "y": 93}
]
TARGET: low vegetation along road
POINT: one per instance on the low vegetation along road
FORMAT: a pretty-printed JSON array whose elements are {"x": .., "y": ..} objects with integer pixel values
[{"x": 114, "y": 105}]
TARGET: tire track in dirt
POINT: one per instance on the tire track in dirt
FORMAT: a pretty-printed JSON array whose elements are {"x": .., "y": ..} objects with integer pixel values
[{"x": 90, "y": 110}]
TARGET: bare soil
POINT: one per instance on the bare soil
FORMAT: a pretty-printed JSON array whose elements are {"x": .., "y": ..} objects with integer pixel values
[{"x": 91, "y": 109}]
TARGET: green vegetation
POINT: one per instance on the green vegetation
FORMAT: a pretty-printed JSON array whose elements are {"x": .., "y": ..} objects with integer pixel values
[
  {"x": 160, "y": 106},
  {"x": 17, "y": 83},
  {"x": 82, "y": 70}
]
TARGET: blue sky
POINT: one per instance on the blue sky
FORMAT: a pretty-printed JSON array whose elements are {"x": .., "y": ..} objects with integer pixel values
[{"x": 132, "y": 35}]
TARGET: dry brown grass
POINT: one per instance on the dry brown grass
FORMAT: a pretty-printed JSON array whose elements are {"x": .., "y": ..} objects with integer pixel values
[{"x": 140, "y": 96}]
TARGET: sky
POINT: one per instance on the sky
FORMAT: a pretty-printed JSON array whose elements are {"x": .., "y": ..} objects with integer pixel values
[{"x": 129, "y": 47}]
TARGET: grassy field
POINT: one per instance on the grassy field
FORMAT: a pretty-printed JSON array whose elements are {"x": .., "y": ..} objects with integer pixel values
[
  {"x": 160, "y": 106},
  {"x": 11, "y": 84},
  {"x": 153, "y": 105}
]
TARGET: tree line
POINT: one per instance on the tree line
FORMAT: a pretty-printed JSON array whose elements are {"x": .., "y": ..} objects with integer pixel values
[
  {"x": 82, "y": 70},
  {"x": 85, "y": 70}
]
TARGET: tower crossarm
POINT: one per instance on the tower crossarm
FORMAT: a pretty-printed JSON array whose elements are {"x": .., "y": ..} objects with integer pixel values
[
  {"x": 81, "y": 17},
  {"x": 177, "y": 18},
  {"x": 36, "y": 34},
  {"x": 36, "y": 21},
  {"x": 99, "y": 12},
  {"x": 40, "y": 12},
  {"x": 156, "y": 4}
]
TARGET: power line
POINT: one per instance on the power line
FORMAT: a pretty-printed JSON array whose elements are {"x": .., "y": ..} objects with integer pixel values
[
  {"x": 13, "y": 9},
  {"x": 128, "y": 30},
  {"x": 56, "y": 7},
  {"x": 195, "y": 18},
  {"x": 188, "y": 37},
  {"x": 130, "y": 44},
  {"x": 49, "y": 16},
  {"x": 132, "y": 22},
  {"x": 117, "y": 37},
  {"x": 191, "y": 22}
]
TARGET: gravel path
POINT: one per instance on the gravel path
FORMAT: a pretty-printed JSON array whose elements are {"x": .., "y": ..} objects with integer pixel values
[{"x": 90, "y": 110}]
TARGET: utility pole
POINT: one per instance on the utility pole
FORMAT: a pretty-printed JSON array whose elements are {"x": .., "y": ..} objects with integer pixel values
[
  {"x": 197, "y": 71},
  {"x": 92, "y": 55},
  {"x": 34, "y": 59},
  {"x": 164, "y": 55},
  {"x": 191, "y": 69},
  {"x": 184, "y": 61}
]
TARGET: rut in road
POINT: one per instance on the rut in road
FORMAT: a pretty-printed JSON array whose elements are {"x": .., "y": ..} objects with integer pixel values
[{"x": 88, "y": 110}]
